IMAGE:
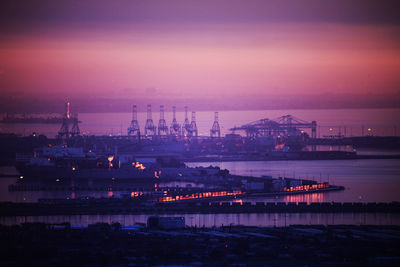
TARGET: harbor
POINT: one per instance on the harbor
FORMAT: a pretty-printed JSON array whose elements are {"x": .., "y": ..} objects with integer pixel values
[
  {"x": 169, "y": 164},
  {"x": 200, "y": 133}
]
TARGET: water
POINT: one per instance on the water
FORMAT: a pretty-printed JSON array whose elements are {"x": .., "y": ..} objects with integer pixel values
[
  {"x": 211, "y": 220},
  {"x": 365, "y": 181},
  {"x": 372, "y": 180},
  {"x": 343, "y": 121}
]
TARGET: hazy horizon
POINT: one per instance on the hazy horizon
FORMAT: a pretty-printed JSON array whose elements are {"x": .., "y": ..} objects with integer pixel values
[{"x": 38, "y": 104}]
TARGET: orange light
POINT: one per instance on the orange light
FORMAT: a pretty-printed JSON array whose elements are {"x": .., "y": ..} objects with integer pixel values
[
  {"x": 138, "y": 165},
  {"x": 198, "y": 195}
]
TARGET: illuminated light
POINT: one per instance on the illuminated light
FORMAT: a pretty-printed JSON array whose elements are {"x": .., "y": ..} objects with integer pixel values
[
  {"x": 136, "y": 194},
  {"x": 113, "y": 178},
  {"x": 199, "y": 195},
  {"x": 68, "y": 112},
  {"x": 369, "y": 129},
  {"x": 57, "y": 180},
  {"x": 306, "y": 187},
  {"x": 138, "y": 165},
  {"x": 73, "y": 168},
  {"x": 110, "y": 159},
  {"x": 21, "y": 177},
  {"x": 280, "y": 146}
]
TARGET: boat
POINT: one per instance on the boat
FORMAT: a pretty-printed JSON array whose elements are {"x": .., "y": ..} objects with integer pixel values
[{"x": 65, "y": 164}]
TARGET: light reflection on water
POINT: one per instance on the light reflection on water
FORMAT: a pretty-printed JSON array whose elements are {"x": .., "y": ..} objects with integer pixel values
[
  {"x": 307, "y": 198},
  {"x": 372, "y": 180},
  {"x": 211, "y": 220}
]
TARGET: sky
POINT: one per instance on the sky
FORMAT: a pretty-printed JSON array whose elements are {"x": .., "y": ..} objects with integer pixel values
[{"x": 221, "y": 53}]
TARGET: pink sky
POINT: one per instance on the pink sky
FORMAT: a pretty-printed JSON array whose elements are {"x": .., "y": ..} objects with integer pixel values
[{"x": 200, "y": 58}]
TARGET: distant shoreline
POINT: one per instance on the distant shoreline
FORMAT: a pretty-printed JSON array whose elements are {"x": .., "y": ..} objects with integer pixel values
[{"x": 127, "y": 110}]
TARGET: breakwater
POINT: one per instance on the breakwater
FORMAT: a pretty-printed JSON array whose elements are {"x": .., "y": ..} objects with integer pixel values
[{"x": 129, "y": 206}]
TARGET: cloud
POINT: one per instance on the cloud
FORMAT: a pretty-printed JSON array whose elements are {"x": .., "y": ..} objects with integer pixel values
[{"x": 27, "y": 15}]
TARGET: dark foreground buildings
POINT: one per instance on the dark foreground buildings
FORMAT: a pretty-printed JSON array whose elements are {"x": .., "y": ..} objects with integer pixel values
[{"x": 104, "y": 244}]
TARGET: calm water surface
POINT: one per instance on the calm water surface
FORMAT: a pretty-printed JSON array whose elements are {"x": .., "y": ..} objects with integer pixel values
[
  {"x": 372, "y": 180},
  {"x": 365, "y": 181}
]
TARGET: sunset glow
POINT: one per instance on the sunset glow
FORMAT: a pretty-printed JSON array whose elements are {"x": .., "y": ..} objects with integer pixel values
[{"x": 120, "y": 52}]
